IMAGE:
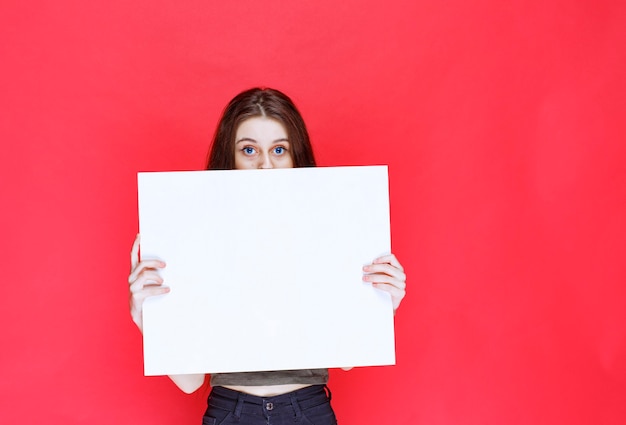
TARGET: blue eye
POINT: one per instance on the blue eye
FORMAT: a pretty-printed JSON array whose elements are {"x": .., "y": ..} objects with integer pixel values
[
  {"x": 279, "y": 150},
  {"x": 248, "y": 150}
]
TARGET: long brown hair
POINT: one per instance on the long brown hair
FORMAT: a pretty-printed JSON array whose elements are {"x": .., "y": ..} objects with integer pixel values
[{"x": 259, "y": 102}]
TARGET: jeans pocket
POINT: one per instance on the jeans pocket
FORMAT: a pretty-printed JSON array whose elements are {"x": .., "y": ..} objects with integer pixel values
[
  {"x": 216, "y": 417},
  {"x": 319, "y": 415}
]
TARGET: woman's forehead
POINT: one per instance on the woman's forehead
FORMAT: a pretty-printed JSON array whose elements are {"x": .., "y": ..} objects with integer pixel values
[{"x": 261, "y": 128}]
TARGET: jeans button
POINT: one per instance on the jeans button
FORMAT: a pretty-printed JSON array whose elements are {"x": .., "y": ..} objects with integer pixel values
[{"x": 269, "y": 406}]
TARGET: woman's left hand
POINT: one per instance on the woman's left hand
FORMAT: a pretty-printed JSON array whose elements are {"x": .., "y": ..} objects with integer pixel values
[{"x": 387, "y": 273}]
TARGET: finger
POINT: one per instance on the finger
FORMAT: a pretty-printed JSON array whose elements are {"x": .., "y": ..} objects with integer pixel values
[
  {"x": 147, "y": 278},
  {"x": 387, "y": 287},
  {"x": 156, "y": 290},
  {"x": 142, "y": 266},
  {"x": 390, "y": 259},
  {"x": 151, "y": 291},
  {"x": 134, "y": 252},
  {"x": 377, "y": 278},
  {"x": 397, "y": 295},
  {"x": 385, "y": 268},
  {"x": 137, "y": 298}
]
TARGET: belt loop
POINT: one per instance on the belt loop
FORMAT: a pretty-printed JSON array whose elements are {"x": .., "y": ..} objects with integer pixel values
[
  {"x": 296, "y": 406},
  {"x": 328, "y": 393},
  {"x": 239, "y": 407}
]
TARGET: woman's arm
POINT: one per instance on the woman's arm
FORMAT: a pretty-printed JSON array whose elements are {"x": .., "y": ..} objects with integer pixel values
[
  {"x": 188, "y": 383},
  {"x": 144, "y": 281}
]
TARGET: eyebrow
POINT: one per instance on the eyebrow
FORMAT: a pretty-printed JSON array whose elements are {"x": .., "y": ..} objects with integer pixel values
[{"x": 247, "y": 139}]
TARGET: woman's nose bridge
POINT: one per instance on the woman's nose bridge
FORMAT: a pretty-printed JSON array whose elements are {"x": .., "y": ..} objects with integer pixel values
[{"x": 265, "y": 160}]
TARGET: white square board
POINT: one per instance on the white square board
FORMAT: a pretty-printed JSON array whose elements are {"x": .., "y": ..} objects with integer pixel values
[{"x": 265, "y": 269}]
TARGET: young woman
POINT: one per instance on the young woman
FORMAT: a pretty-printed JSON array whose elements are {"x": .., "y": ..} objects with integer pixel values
[{"x": 261, "y": 128}]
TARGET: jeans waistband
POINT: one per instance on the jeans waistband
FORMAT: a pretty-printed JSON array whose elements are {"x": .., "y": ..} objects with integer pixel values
[{"x": 295, "y": 401}]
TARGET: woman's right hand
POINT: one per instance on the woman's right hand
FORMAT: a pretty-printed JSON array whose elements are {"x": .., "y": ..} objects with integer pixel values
[{"x": 144, "y": 281}]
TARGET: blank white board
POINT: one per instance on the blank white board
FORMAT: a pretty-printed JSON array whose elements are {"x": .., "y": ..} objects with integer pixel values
[{"x": 265, "y": 269}]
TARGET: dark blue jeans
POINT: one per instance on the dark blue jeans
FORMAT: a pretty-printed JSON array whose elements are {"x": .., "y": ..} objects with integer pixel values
[{"x": 308, "y": 406}]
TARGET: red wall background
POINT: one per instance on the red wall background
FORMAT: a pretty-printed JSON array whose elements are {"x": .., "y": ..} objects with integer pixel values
[{"x": 503, "y": 124}]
